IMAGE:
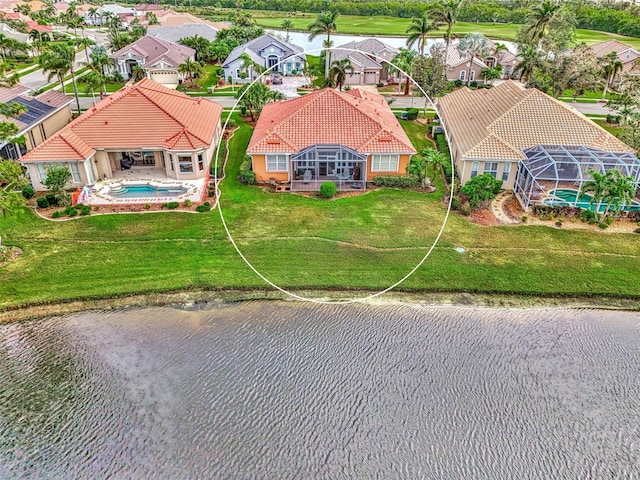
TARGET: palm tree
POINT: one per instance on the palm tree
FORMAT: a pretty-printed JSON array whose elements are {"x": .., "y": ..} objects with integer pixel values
[
  {"x": 418, "y": 168},
  {"x": 85, "y": 42},
  {"x": 610, "y": 68},
  {"x": 5, "y": 44},
  {"x": 186, "y": 68},
  {"x": 445, "y": 12},
  {"x": 287, "y": 25},
  {"x": 339, "y": 71},
  {"x": 541, "y": 16},
  {"x": 473, "y": 44},
  {"x": 94, "y": 81},
  {"x": 418, "y": 31},
  {"x": 530, "y": 59},
  {"x": 58, "y": 60},
  {"x": 610, "y": 187},
  {"x": 93, "y": 14},
  {"x": 325, "y": 24},
  {"x": 402, "y": 64},
  {"x": 137, "y": 73},
  {"x": 434, "y": 158}
]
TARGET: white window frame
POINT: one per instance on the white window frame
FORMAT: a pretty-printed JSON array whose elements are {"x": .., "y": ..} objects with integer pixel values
[
  {"x": 463, "y": 75},
  {"x": 491, "y": 171},
  {"x": 182, "y": 161},
  {"x": 506, "y": 169},
  {"x": 475, "y": 166},
  {"x": 75, "y": 175},
  {"x": 386, "y": 162},
  {"x": 472, "y": 75},
  {"x": 276, "y": 162},
  {"x": 42, "y": 171}
]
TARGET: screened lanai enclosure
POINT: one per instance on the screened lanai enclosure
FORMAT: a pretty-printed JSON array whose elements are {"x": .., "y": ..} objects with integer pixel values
[
  {"x": 550, "y": 173},
  {"x": 328, "y": 163}
]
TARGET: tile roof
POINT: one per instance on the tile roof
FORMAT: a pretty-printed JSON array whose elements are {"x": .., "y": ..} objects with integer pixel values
[
  {"x": 142, "y": 115},
  {"x": 54, "y": 98},
  {"x": 500, "y": 122},
  {"x": 604, "y": 48},
  {"x": 454, "y": 58},
  {"x": 38, "y": 108},
  {"x": 154, "y": 49},
  {"x": 358, "y": 58},
  {"x": 359, "y": 120},
  {"x": 372, "y": 46},
  {"x": 255, "y": 46}
]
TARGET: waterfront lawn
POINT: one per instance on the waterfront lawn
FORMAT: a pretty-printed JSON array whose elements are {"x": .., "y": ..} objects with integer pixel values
[
  {"x": 380, "y": 25},
  {"x": 363, "y": 242}
]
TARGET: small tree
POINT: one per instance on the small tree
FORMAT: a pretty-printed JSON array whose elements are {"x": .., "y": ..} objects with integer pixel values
[
  {"x": 58, "y": 177},
  {"x": 481, "y": 189},
  {"x": 418, "y": 168},
  {"x": 12, "y": 180},
  {"x": 611, "y": 189}
]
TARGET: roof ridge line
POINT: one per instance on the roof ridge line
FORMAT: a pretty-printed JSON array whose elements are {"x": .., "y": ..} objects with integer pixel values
[
  {"x": 161, "y": 108},
  {"x": 74, "y": 148}
]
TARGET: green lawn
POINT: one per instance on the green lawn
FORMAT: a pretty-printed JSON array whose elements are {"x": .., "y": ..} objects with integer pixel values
[
  {"x": 82, "y": 87},
  {"x": 398, "y": 26},
  {"x": 612, "y": 129},
  {"x": 363, "y": 242},
  {"x": 208, "y": 77}
]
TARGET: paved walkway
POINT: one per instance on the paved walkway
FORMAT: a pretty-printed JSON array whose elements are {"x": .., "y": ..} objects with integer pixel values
[{"x": 497, "y": 208}]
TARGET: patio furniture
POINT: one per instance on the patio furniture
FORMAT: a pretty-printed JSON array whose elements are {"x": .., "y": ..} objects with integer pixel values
[{"x": 307, "y": 176}]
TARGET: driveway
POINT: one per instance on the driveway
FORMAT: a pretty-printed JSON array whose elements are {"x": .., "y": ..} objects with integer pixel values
[{"x": 289, "y": 86}]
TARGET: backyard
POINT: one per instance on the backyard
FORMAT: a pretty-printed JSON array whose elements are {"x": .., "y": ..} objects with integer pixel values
[{"x": 364, "y": 242}]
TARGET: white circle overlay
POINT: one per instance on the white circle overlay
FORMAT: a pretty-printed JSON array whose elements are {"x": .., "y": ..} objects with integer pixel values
[{"x": 255, "y": 270}]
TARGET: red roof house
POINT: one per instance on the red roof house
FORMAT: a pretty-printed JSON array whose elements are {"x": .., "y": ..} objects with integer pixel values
[
  {"x": 345, "y": 137},
  {"x": 144, "y": 126}
]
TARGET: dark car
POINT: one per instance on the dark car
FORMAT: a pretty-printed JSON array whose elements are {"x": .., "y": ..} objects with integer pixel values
[{"x": 276, "y": 79}]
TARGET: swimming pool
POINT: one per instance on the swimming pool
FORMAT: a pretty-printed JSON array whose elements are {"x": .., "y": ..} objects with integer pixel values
[
  {"x": 566, "y": 197},
  {"x": 146, "y": 190}
]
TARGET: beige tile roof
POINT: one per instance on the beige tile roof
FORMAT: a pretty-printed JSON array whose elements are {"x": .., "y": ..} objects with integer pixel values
[
  {"x": 359, "y": 120},
  {"x": 499, "y": 123}
]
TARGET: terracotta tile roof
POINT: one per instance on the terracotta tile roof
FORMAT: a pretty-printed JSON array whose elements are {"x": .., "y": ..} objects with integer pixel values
[
  {"x": 500, "y": 122},
  {"x": 142, "y": 115},
  {"x": 31, "y": 25},
  {"x": 54, "y": 98},
  {"x": 64, "y": 146},
  {"x": 154, "y": 49},
  {"x": 604, "y": 48},
  {"x": 361, "y": 121}
]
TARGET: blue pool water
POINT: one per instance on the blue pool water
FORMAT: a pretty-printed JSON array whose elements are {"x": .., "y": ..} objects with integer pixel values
[
  {"x": 133, "y": 191},
  {"x": 568, "y": 198}
]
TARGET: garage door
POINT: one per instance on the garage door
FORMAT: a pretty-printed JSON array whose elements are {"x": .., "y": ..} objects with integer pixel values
[
  {"x": 165, "y": 78},
  {"x": 370, "y": 78},
  {"x": 352, "y": 79}
]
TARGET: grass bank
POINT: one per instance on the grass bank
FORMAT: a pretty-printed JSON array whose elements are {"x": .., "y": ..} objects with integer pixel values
[
  {"x": 366, "y": 242},
  {"x": 380, "y": 25}
]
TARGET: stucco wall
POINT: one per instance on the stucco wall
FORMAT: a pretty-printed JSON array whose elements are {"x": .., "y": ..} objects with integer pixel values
[
  {"x": 260, "y": 169},
  {"x": 403, "y": 162},
  {"x": 454, "y": 73},
  {"x": 50, "y": 126}
]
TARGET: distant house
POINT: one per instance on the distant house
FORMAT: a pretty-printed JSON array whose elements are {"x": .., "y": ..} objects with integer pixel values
[
  {"x": 344, "y": 137},
  {"x": 268, "y": 51},
  {"x": 144, "y": 127},
  {"x": 626, "y": 54},
  {"x": 46, "y": 114},
  {"x": 497, "y": 130},
  {"x": 108, "y": 9},
  {"x": 187, "y": 30},
  {"x": 371, "y": 71},
  {"x": 458, "y": 65},
  {"x": 158, "y": 58},
  {"x": 13, "y": 34}
]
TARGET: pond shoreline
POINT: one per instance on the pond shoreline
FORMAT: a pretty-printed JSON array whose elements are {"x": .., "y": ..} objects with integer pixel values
[{"x": 203, "y": 299}]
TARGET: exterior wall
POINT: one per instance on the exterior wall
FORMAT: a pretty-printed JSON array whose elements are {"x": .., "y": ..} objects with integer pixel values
[
  {"x": 403, "y": 163},
  {"x": 43, "y": 130},
  {"x": 259, "y": 165},
  {"x": 231, "y": 70},
  {"x": 453, "y": 74},
  {"x": 35, "y": 176},
  {"x": 464, "y": 171}
]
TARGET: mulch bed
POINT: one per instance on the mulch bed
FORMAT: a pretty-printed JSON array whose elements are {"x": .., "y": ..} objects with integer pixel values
[
  {"x": 484, "y": 217},
  {"x": 513, "y": 209},
  {"x": 9, "y": 254}
]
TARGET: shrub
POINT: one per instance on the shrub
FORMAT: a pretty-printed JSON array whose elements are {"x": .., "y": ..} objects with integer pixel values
[
  {"x": 613, "y": 119},
  {"x": 211, "y": 190},
  {"x": 637, "y": 230},
  {"x": 246, "y": 163},
  {"x": 328, "y": 190},
  {"x": 85, "y": 210},
  {"x": 146, "y": 206},
  {"x": 78, "y": 206},
  {"x": 603, "y": 225},
  {"x": 379, "y": 84},
  {"x": 231, "y": 123},
  {"x": 28, "y": 192},
  {"x": 172, "y": 205},
  {"x": 444, "y": 148},
  {"x": 457, "y": 83},
  {"x": 524, "y": 218},
  {"x": 481, "y": 189},
  {"x": 412, "y": 113},
  {"x": 587, "y": 216},
  {"x": 188, "y": 203},
  {"x": 43, "y": 202},
  {"x": 73, "y": 212},
  {"x": 396, "y": 181},
  {"x": 559, "y": 223},
  {"x": 247, "y": 177},
  {"x": 52, "y": 199},
  {"x": 68, "y": 210},
  {"x": 205, "y": 207},
  {"x": 465, "y": 208},
  {"x": 56, "y": 214},
  {"x": 473, "y": 84},
  {"x": 243, "y": 110},
  {"x": 456, "y": 202}
]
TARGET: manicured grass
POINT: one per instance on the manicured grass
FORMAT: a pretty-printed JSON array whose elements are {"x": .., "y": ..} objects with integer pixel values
[
  {"x": 82, "y": 87},
  {"x": 380, "y": 25},
  {"x": 368, "y": 241},
  {"x": 612, "y": 129},
  {"x": 208, "y": 77}
]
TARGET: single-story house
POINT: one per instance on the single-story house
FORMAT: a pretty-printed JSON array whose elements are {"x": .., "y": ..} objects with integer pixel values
[
  {"x": 344, "y": 137},
  {"x": 365, "y": 70},
  {"x": 458, "y": 65},
  {"x": 379, "y": 52},
  {"x": 108, "y": 9},
  {"x": 46, "y": 114},
  {"x": 145, "y": 127},
  {"x": 158, "y": 58},
  {"x": 490, "y": 130},
  {"x": 187, "y": 30},
  {"x": 626, "y": 54},
  {"x": 268, "y": 51}
]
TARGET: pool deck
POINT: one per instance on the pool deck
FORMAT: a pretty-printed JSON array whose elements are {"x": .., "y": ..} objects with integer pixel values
[{"x": 99, "y": 194}]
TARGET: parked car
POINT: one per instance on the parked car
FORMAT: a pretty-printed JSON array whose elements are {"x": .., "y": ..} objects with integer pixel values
[{"x": 276, "y": 79}]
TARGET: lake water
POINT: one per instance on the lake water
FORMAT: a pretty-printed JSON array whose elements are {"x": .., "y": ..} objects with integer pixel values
[
  {"x": 285, "y": 390},
  {"x": 302, "y": 40}
]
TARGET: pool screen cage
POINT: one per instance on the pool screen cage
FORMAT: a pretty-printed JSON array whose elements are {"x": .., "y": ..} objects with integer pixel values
[{"x": 548, "y": 166}]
